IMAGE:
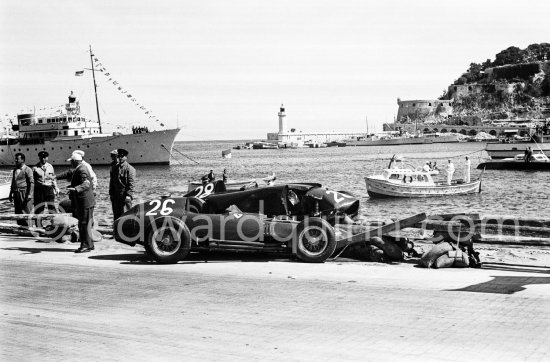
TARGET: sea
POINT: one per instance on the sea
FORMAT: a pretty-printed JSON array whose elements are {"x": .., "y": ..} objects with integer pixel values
[{"x": 517, "y": 193}]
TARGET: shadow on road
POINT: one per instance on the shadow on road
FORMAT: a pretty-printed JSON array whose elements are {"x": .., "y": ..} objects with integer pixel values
[
  {"x": 516, "y": 268},
  {"x": 504, "y": 285},
  {"x": 39, "y": 250},
  {"x": 192, "y": 258}
]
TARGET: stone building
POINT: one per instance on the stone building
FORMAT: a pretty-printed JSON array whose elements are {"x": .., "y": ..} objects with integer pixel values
[{"x": 422, "y": 109}]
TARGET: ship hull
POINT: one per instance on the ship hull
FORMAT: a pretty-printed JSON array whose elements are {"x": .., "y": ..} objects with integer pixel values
[
  {"x": 506, "y": 150},
  {"x": 515, "y": 166},
  {"x": 392, "y": 142},
  {"x": 151, "y": 148}
]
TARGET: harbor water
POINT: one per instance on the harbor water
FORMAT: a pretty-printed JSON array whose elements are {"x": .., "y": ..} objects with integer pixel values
[{"x": 339, "y": 168}]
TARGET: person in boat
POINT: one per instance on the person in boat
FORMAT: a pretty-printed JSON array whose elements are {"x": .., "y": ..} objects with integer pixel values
[
  {"x": 528, "y": 154},
  {"x": 450, "y": 171},
  {"x": 467, "y": 166},
  {"x": 224, "y": 176},
  {"x": 123, "y": 183},
  {"x": 45, "y": 185},
  {"x": 22, "y": 188},
  {"x": 211, "y": 176},
  {"x": 93, "y": 176},
  {"x": 82, "y": 202},
  {"x": 426, "y": 167}
]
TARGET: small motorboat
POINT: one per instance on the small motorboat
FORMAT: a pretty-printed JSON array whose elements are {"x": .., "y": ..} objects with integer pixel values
[
  {"x": 232, "y": 185},
  {"x": 398, "y": 181},
  {"x": 537, "y": 162}
]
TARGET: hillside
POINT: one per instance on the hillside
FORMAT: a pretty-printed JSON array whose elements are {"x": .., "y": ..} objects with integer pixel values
[{"x": 515, "y": 85}]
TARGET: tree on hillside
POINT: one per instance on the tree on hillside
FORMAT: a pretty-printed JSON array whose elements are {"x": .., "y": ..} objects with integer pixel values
[{"x": 512, "y": 55}]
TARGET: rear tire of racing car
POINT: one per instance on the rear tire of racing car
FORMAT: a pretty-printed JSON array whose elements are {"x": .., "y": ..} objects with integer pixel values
[
  {"x": 315, "y": 240},
  {"x": 168, "y": 240}
]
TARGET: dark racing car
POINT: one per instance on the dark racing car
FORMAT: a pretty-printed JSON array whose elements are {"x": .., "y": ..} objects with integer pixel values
[{"x": 296, "y": 218}]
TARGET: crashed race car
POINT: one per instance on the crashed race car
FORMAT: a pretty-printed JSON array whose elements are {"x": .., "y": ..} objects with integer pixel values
[{"x": 293, "y": 218}]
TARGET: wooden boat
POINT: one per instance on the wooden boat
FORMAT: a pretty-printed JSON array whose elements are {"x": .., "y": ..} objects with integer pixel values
[
  {"x": 537, "y": 162},
  {"x": 5, "y": 184},
  {"x": 406, "y": 182}
]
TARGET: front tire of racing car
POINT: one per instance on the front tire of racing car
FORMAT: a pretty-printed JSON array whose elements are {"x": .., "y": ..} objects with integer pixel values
[
  {"x": 315, "y": 240},
  {"x": 168, "y": 240}
]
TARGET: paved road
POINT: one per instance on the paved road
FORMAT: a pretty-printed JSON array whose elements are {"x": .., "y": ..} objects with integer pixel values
[{"x": 116, "y": 305}]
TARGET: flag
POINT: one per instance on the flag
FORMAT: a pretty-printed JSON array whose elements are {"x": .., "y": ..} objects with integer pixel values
[{"x": 79, "y": 73}]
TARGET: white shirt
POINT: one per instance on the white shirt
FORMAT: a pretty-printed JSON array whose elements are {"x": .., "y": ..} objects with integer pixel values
[
  {"x": 93, "y": 176},
  {"x": 451, "y": 167}
]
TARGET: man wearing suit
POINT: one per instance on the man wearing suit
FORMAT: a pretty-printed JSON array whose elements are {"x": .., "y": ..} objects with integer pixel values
[
  {"x": 122, "y": 186},
  {"x": 82, "y": 201},
  {"x": 22, "y": 188}
]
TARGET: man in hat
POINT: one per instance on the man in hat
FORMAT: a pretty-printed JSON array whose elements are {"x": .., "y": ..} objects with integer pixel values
[
  {"x": 21, "y": 191},
  {"x": 45, "y": 185},
  {"x": 122, "y": 184},
  {"x": 93, "y": 176},
  {"x": 82, "y": 201}
]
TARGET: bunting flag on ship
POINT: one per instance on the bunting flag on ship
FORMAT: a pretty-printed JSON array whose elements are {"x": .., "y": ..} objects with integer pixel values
[{"x": 101, "y": 68}]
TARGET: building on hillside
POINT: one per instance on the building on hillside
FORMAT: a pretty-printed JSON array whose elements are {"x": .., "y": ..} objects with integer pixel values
[
  {"x": 294, "y": 137},
  {"x": 422, "y": 109}
]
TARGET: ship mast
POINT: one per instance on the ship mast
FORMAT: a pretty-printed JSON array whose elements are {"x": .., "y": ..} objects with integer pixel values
[{"x": 95, "y": 89}]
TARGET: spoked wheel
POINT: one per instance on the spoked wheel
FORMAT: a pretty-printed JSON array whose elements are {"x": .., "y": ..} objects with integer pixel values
[
  {"x": 168, "y": 241},
  {"x": 315, "y": 240}
]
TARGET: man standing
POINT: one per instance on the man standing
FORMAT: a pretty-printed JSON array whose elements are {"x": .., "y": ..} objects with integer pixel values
[
  {"x": 21, "y": 191},
  {"x": 112, "y": 177},
  {"x": 83, "y": 202},
  {"x": 45, "y": 185},
  {"x": 122, "y": 192},
  {"x": 467, "y": 170},
  {"x": 450, "y": 171},
  {"x": 93, "y": 176}
]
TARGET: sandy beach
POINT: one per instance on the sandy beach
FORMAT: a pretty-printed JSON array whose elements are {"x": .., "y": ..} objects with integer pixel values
[{"x": 114, "y": 304}]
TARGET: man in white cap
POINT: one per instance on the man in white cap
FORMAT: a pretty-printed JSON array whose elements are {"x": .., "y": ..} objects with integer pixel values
[
  {"x": 93, "y": 176},
  {"x": 82, "y": 201},
  {"x": 450, "y": 171}
]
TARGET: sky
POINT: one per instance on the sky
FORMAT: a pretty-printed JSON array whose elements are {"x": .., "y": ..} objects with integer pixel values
[{"x": 221, "y": 69}]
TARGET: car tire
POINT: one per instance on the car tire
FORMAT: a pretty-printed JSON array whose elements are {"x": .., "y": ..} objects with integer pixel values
[
  {"x": 315, "y": 240},
  {"x": 168, "y": 240}
]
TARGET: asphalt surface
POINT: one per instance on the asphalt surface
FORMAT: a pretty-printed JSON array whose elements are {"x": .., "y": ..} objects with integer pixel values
[{"x": 114, "y": 304}]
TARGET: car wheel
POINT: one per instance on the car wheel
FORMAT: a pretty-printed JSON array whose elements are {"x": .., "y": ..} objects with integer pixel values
[
  {"x": 168, "y": 240},
  {"x": 315, "y": 240}
]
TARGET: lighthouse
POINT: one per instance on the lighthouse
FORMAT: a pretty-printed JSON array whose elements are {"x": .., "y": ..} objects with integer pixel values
[{"x": 282, "y": 120}]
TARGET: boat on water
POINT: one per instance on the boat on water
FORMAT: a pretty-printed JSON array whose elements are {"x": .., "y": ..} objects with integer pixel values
[
  {"x": 399, "y": 181},
  {"x": 260, "y": 145},
  {"x": 5, "y": 184},
  {"x": 232, "y": 185},
  {"x": 389, "y": 141},
  {"x": 226, "y": 153},
  {"x": 510, "y": 148},
  {"x": 537, "y": 162},
  {"x": 64, "y": 130}
]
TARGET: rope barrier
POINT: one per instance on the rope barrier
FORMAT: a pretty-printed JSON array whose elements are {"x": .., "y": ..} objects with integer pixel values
[
  {"x": 444, "y": 158},
  {"x": 175, "y": 149}
]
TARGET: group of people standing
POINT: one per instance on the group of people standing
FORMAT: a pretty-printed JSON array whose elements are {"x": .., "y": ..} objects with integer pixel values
[{"x": 38, "y": 186}]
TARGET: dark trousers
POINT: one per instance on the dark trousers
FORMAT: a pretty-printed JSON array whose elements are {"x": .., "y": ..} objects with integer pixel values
[
  {"x": 85, "y": 222},
  {"x": 44, "y": 197},
  {"x": 22, "y": 206},
  {"x": 120, "y": 206}
]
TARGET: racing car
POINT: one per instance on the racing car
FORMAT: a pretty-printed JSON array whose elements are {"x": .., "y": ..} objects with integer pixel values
[{"x": 297, "y": 218}]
